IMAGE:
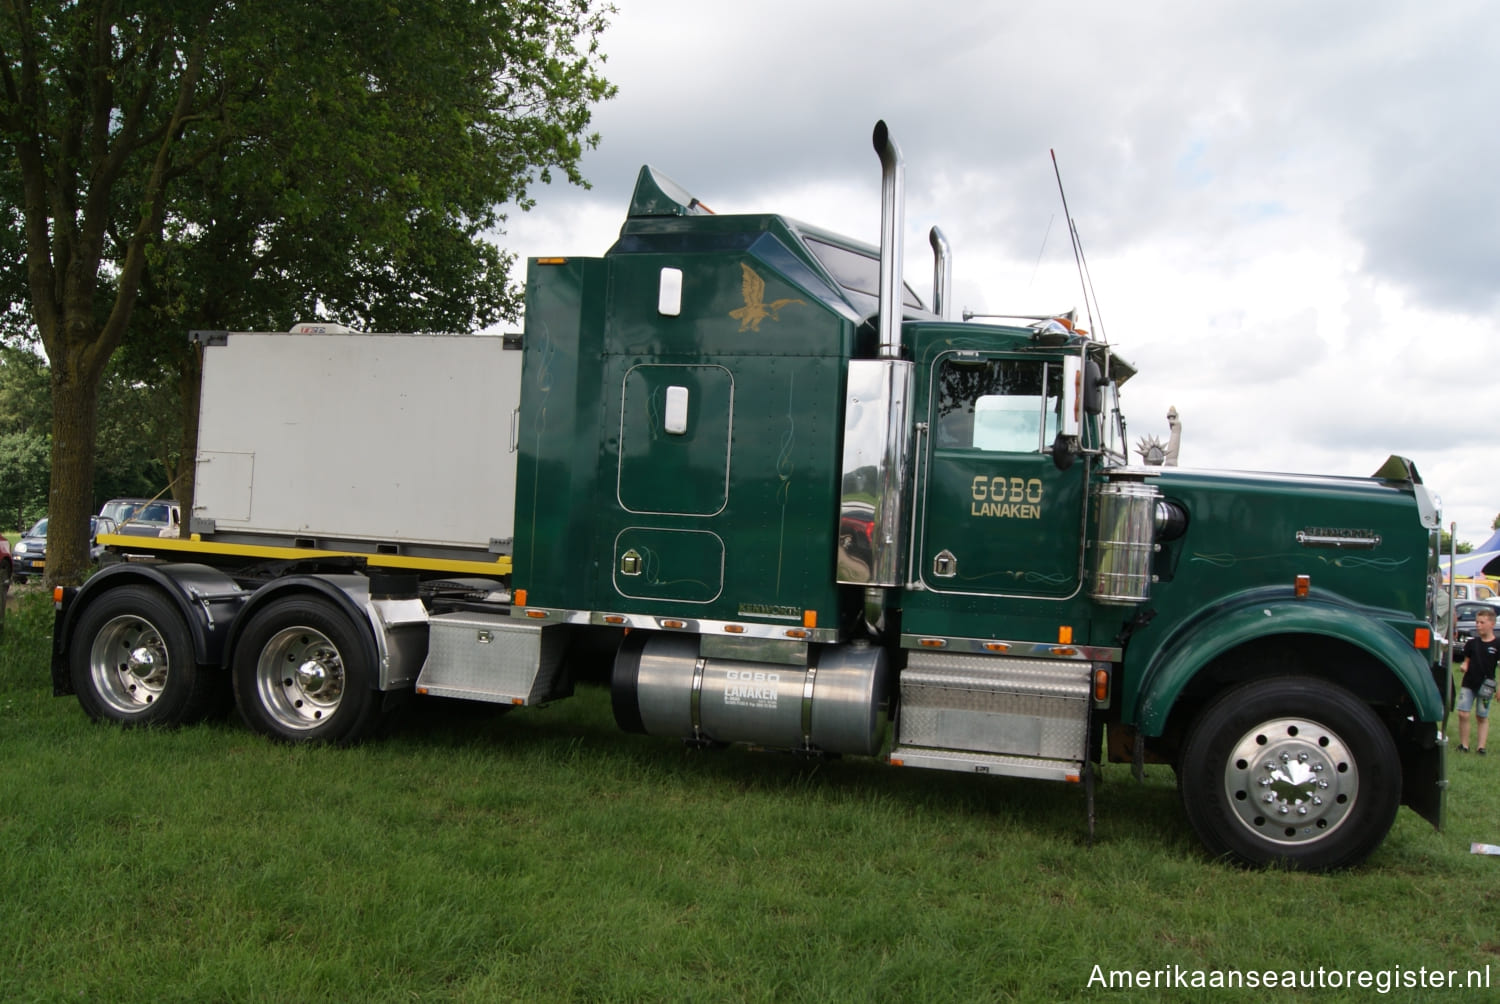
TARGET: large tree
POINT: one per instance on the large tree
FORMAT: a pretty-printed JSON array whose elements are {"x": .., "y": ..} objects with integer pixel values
[{"x": 220, "y": 164}]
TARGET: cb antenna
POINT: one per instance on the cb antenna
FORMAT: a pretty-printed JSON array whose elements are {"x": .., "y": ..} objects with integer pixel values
[{"x": 1090, "y": 301}]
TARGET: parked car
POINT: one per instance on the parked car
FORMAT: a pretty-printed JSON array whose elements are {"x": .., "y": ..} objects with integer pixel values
[
  {"x": 31, "y": 550},
  {"x": 144, "y": 517},
  {"x": 120, "y": 510},
  {"x": 1463, "y": 621},
  {"x": 1473, "y": 589}
]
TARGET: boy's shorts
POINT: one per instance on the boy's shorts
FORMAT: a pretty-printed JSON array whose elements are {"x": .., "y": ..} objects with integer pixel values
[{"x": 1466, "y": 703}]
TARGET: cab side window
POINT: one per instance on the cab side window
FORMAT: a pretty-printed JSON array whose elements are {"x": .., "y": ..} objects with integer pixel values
[{"x": 997, "y": 405}]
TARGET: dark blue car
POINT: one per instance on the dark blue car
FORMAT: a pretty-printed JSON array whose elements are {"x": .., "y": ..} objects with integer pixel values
[{"x": 30, "y": 555}]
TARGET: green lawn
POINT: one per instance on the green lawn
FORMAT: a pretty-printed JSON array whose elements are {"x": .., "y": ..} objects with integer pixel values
[{"x": 543, "y": 855}]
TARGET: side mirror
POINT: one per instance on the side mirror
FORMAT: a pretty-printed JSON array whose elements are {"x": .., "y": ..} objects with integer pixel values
[
  {"x": 1064, "y": 449},
  {"x": 1093, "y": 383}
]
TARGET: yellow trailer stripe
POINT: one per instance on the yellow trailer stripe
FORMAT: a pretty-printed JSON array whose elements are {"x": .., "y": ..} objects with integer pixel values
[{"x": 183, "y": 548}]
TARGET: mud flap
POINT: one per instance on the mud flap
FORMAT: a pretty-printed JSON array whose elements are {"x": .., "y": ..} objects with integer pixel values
[{"x": 1424, "y": 773}]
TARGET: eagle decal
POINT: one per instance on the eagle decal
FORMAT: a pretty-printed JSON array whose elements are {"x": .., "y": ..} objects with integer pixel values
[{"x": 756, "y": 309}]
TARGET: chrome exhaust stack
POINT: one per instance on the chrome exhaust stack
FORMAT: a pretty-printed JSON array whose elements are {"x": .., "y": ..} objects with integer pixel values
[
  {"x": 877, "y": 421},
  {"x": 942, "y": 272},
  {"x": 892, "y": 216}
]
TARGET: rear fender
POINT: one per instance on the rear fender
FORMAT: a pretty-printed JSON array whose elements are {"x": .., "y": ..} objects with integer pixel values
[{"x": 208, "y": 599}]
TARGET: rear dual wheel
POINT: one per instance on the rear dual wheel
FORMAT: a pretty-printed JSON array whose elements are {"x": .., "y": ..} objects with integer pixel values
[
  {"x": 132, "y": 662},
  {"x": 302, "y": 673},
  {"x": 1292, "y": 771}
]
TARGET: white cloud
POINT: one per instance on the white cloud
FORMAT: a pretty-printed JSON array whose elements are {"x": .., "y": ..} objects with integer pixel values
[{"x": 1288, "y": 208}]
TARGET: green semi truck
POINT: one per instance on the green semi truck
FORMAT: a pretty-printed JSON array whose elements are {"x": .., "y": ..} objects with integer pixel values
[{"x": 804, "y": 510}]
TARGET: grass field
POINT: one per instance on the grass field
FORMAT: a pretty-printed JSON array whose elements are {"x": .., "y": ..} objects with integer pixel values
[{"x": 543, "y": 855}]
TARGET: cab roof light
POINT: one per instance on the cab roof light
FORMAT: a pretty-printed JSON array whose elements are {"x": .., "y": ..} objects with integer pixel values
[{"x": 552, "y": 261}]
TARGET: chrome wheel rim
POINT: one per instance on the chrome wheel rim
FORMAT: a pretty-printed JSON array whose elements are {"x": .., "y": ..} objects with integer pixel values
[
  {"x": 129, "y": 665},
  {"x": 300, "y": 678},
  {"x": 1291, "y": 781}
]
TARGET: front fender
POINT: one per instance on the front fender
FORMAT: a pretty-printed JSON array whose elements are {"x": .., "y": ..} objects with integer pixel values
[{"x": 1222, "y": 629}]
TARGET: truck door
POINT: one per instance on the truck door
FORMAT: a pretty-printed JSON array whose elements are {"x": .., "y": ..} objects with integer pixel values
[{"x": 997, "y": 517}]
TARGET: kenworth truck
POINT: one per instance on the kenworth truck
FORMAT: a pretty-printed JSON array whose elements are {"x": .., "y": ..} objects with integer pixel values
[{"x": 805, "y": 511}]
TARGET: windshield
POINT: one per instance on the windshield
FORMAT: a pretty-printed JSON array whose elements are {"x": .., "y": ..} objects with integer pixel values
[{"x": 40, "y": 530}]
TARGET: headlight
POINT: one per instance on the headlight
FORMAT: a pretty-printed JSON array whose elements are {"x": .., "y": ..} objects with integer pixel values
[{"x": 22, "y": 548}]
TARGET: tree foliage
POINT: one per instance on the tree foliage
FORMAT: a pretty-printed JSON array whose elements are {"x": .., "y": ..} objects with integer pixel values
[{"x": 198, "y": 163}]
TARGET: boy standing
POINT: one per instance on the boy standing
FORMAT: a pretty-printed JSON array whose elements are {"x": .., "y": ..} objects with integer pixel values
[{"x": 1481, "y": 653}]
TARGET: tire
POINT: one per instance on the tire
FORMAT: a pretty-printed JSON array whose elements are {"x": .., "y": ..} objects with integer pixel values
[
  {"x": 301, "y": 674},
  {"x": 132, "y": 661},
  {"x": 1290, "y": 771}
]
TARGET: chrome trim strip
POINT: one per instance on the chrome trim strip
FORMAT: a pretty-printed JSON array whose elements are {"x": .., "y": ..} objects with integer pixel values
[
  {"x": 807, "y": 703},
  {"x": 697, "y": 697},
  {"x": 693, "y": 625},
  {"x": 1357, "y": 540},
  {"x": 1017, "y": 649}
]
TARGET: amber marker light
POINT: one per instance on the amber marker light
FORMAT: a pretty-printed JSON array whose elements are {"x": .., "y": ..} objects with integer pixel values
[
  {"x": 798, "y": 633},
  {"x": 674, "y": 624},
  {"x": 537, "y": 615},
  {"x": 57, "y": 595},
  {"x": 809, "y": 619},
  {"x": 1302, "y": 585},
  {"x": 551, "y": 261},
  {"x": 613, "y": 619},
  {"x": 1423, "y": 638},
  {"x": 932, "y": 643},
  {"x": 735, "y": 628},
  {"x": 996, "y": 646},
  {"x": 1065, "y": 634},
  {"x": 1101, "y": 685},
  {"x": 520, "y": 597}
]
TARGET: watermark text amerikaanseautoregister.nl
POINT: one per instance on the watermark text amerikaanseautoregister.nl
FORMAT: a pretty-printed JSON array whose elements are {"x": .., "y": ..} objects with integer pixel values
[{"x": 1381, "y": 981}]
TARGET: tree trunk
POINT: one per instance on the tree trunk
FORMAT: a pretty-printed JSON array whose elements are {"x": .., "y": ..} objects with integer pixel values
[{"x": 70, "y": 502}]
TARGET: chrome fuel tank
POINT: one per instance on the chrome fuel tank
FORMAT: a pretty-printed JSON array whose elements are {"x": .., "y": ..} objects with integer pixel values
[{"x": 837, "y": 704}]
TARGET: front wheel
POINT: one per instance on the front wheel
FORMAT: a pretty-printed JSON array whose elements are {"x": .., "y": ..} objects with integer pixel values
[
  {"x": 132, "y": 662},
  {"x": 1293, "y": 771},
  {"x": 301, "y": 674}
]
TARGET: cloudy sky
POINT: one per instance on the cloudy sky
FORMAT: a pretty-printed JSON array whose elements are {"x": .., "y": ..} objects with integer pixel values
[{"x": 1289, "y": 208}]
